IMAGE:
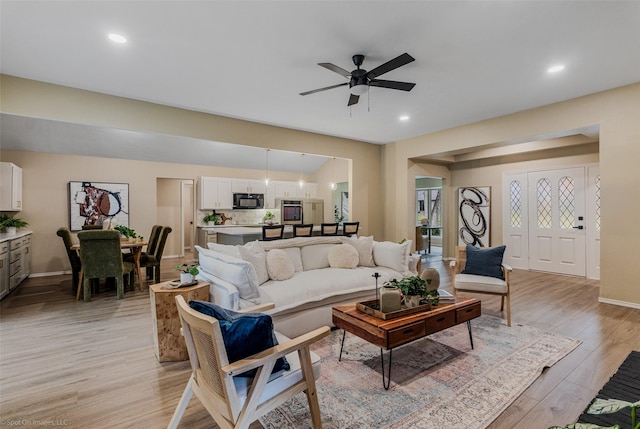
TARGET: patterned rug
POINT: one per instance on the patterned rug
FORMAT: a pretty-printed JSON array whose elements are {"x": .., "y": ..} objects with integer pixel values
[{"x": 436, "y": 382}]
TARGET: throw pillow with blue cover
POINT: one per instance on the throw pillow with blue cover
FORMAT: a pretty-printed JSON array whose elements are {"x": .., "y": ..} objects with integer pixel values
[
  {"x": 485, "y": 261},
  {"x": 244, "y": 334}
]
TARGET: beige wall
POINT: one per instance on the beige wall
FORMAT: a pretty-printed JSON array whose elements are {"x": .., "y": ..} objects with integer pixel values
[
  {"x": 616, "y": 112},
  {"x": 46, "y": 176}
]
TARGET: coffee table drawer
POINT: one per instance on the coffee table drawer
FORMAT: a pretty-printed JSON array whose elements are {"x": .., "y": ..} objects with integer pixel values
[
  {"x": 439, "y": 322},
  {"x": 406, "y": 334},
  {"x": 468, "y": 313}
]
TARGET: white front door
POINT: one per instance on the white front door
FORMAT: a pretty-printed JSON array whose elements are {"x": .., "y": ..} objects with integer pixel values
[
  {"x": 556, "y": 226},
  {"x": 593, "y": 223},
  {"x": 515, "y": 216}
]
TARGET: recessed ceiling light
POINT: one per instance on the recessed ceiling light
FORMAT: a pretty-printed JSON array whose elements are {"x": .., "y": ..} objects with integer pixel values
[
  {"x": 404, "y": 118},
  {"x": 117, "y": 38},
  {"x": 555, "y": 69}
]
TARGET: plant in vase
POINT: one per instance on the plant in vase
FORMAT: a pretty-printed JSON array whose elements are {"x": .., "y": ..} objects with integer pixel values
[
  {"x": 126, "y": 232},
  {"x": 214, "y": 218},
  {"x": 188, "y": 271},
  {"x": 413, "y": 288},
  {"x": 268, "y": 218},
  {"x": 11, "y": 224}
]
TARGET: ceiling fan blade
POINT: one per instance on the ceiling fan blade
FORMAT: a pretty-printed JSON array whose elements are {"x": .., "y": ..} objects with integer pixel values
[
  {"x": 353, "y": 99},
  {"x": 392, "y": 84},
  {"x": 324, "y": 89},
  {"x": 336, "y": 69},
  {"x": 390, "y": 65}
]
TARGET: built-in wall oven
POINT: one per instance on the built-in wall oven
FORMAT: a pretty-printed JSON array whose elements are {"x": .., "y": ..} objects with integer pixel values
[{"x": 291, "y": 211}]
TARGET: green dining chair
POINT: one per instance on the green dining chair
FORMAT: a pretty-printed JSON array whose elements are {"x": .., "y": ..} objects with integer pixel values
[
  {"x": 72, "y": 254},
  {"x": 101, "y": 258},
  {"x": 152, "y": 257}
]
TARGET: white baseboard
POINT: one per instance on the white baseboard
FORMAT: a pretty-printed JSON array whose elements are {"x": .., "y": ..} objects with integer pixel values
[
  {"x": 49, "y": 274},
  {"x": 619, "y": 303}
]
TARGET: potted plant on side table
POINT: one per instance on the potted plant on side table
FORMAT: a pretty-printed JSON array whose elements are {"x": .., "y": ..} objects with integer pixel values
[{"x": 188, "y": 272}]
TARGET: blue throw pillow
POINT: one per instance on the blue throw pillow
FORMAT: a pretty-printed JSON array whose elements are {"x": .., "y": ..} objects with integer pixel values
[
  {"x": 485, "y": 262},
  {"x": 244, "y": 334}
]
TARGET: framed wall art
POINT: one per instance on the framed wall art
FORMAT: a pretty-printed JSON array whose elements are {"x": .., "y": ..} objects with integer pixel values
[
  {"x": 474, "y": 216},
  {"x": 92, "y": 203}
]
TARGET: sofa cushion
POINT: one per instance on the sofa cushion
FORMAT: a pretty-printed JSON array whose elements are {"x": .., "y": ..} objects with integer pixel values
[
  {"x": 279, "y": 265},
  {"x": 244, "y": 334},
  {"x": 316, "y": 256},
  {"x": 224, "y": 248},
  {"x": 295, "y": 256},
  {"x": 485, "y": 261},
  {"x": 256, "y": 257},
  {"x": 343, "y": 256},
  {"x": 234, "y": 270},
  {"x": 392, "y": 255},
  {"x": 364, "y": 246}
]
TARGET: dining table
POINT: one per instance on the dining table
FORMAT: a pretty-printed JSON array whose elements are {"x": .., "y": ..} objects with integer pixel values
[{"x": 134, "y": 246}]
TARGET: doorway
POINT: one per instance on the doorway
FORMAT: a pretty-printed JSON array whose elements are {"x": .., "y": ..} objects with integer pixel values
[
  {"x": 551, "y": 220},
  {"x": 429, "y": 215}
]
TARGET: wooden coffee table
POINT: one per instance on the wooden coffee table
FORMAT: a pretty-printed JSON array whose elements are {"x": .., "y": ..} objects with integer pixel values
[{"x": 388, "y": 334}]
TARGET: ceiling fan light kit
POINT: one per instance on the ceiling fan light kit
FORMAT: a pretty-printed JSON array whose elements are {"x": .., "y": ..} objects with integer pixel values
[{"x": 360, "y": 80}]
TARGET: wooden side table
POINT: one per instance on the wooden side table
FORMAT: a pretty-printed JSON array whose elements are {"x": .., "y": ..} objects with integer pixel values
[{"x": 169, "y": 344}]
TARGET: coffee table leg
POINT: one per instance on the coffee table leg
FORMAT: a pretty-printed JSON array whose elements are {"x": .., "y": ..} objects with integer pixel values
[
  {"x": 470, "y": 336},
  {"x": 387, "y": 383},
  {"x": 344, "y": 333}
]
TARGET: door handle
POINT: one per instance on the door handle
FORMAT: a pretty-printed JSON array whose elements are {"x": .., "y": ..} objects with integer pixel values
[{"x": 578, "y": 227}]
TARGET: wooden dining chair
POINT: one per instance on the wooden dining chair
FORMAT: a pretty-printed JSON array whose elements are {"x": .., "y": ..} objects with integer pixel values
[
  {"x": 350, "y": 228},
  {"x": 303, "y": 230},
  {"x": 272, "y": 232},
  {"x": 234, "y": 400},
  {"x": 101, "y": 258},
  {"x": 328, "y": 229}
]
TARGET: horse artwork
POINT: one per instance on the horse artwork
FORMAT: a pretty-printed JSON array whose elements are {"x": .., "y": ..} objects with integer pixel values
[
  {"x": 93, "y": 203},
  {"x": 474, "y": 223}
]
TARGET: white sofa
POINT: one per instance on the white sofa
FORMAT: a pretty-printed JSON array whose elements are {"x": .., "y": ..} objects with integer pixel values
[{"x": 304, "y": 277}]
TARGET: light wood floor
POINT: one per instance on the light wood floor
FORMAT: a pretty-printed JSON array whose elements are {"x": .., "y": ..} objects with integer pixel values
[{"x": 91, "y": 365}]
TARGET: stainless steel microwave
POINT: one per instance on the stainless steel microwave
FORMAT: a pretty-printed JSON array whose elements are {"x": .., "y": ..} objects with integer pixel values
[{"x": 248, "y": 201}]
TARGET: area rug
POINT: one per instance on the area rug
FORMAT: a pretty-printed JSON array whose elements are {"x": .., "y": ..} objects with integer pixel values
[
  {"x": 623, "y": 385},
  {"x": 436, "y": 382}
]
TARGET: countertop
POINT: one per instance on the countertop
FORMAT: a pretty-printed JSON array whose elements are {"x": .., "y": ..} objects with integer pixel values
[{"x": 6, "y": 237}]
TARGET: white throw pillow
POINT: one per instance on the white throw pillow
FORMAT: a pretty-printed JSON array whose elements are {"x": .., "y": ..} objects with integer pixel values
[
  {"x": 343, "y": 256},
  {"x": 258, "y": 258},
  {"x": 234, "y": 270},
  {"x": 364, "y": 246},
  {"x": 224, "y": 248},
  {"x": 279, "y": 265},
  {"x": 316, "y": 256},
  {"x": 392, "y": 255},
  {"x": 294, "y": 255}
]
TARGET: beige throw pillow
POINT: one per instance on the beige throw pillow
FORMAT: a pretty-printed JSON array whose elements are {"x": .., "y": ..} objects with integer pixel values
[
  {"x": 258, "y": 258},
  {"x": 279, "y": 265},
  {"x": 393, "y": 255},
  {"x": 343, "y": 256},
  {"x": 364, "y": 246}
]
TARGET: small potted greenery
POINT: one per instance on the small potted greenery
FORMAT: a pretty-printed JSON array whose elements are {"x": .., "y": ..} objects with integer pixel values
[
  {"x": 188, "y": 271},
  {"x": 268, "y": 218},
  {"x": 214, "y": 218},
  {"x": 11, "y": 224},
  {"x": 415, "y": 291},
  {"x": 126, "y": 231}
]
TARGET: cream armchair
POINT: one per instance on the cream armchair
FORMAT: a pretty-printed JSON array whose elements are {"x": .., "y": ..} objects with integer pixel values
[
  {"x": 482, "y": 283},
  {"x": 236, "y": 401}
]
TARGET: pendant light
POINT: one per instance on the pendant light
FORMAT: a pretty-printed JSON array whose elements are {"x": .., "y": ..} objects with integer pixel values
[
  {"x": 301, "y": 181},
  {"x": 332, "y": 184},
  {"x": 266, "y": 170}
]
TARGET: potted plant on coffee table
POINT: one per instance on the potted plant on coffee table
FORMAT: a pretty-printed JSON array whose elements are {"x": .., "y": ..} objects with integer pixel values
[
  {"x": 188, "y": 271},
  {"x": 413, "y": 288}
]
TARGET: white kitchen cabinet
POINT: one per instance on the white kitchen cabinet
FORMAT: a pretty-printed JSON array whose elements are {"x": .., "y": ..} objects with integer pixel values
[
  {"x": 246, "y": 186},
  {"x": 286, "y": 189},
  {"x": 10, "y": 187},
  {"x": 270, "y": 196},
  {"x": 26, "y": 257},
  {"x": 4, "y": 268},
  {"x": 308, "y": 190},
  {"x": 214, "y": 193}
]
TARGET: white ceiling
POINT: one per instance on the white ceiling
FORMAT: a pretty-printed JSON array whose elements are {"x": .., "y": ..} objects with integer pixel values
[{"x": 251, "y": 59}]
